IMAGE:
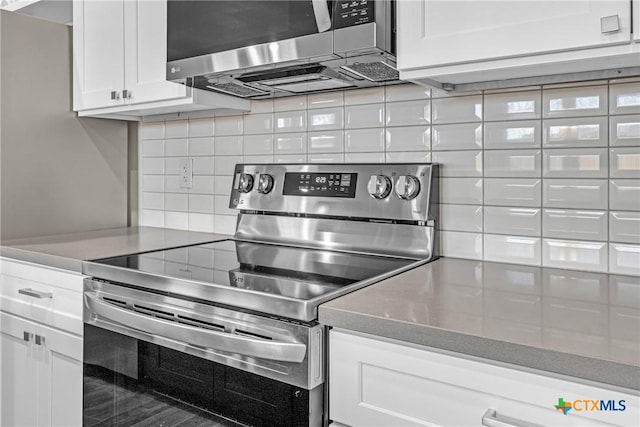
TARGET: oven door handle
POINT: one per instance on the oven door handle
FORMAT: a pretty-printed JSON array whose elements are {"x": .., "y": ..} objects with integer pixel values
[{"x": 224, "y": 341}]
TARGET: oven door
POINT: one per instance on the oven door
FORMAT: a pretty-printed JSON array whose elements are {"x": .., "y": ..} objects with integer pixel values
[
  {"x": 151, "y": 357},
  {"x": 231, "y": 35}
]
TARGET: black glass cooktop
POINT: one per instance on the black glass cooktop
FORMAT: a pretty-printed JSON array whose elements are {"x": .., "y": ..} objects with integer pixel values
[{"x": 266, "y": 268}]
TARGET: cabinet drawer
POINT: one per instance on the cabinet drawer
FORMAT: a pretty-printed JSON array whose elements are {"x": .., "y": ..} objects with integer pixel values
[
  {"x": 376, "y": 382},
  {"x": 41, "y": 294}
]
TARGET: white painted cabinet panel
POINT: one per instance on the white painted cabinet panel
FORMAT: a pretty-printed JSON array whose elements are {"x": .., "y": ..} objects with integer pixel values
[
  {"x": 474, "y": 41},
  {"x": 635, "y": 6},
  {"x": 378, "y": 382},
  {"x": 41, "y": 345}
]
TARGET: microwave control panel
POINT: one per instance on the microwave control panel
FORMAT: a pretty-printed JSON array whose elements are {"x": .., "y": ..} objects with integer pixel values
[{"x": 348, "y": 13}]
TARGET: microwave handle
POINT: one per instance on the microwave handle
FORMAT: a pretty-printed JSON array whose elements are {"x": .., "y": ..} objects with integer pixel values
[
  {"x": 200, "y": 337},
  {"x": 321, "y": 12}
]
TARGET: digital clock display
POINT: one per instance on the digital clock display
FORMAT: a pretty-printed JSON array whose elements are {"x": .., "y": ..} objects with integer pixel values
[{"x": 320, "y": 184}]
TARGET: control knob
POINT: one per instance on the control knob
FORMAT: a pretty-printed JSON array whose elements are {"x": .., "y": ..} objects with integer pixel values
[
  {"x": 246, "y": 183},
  {"x": 407, "y": 187},
  {"x": 265, "y": 183},
  {"x": 379, "y": 186}
]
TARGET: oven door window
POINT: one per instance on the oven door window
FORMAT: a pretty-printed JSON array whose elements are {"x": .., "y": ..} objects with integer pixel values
[{"x": 205, "y": 27}]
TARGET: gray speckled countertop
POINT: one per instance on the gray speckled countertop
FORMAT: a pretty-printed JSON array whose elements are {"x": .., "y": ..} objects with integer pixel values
[
  {"x": 585, "y": 325},
  {"x": 67, "y": 251}
]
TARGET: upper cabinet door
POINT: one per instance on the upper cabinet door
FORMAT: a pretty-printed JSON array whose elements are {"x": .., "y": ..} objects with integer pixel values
[
  {"x": 145, "y": 29},
  {"x": 636, "y": 20},
  {"x": 98, "y": 39},
  {"x": 439, "y": 32}
]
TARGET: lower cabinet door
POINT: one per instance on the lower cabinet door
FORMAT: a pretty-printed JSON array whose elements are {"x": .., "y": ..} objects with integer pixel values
[
  {"x": 379, "y": 382},
  {"x": 41, "y": 374}
]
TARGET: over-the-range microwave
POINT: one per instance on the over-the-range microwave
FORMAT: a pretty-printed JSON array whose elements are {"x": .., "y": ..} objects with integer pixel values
[{"x": 264, "y": 48}]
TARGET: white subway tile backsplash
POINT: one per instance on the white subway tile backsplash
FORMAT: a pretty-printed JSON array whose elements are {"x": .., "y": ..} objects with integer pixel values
[
  {"x": 456, "y": 244},
  {"x": 364, "y": 140},
  {"x": 521, "y": 192},
  {"x": 227, "y": 125},
  {"x": 258, "y": 144},
  {"x": 575, "y": 101},
  {"x": 224, "y": 165},
  {"x": 624, "y": 98},
  {"x": 364, "y": 158},
  {"x": 201, "y": 222},
  {"x": 575, "y": 163},
  {"x": 153, "y": 130},
  {"x": 228, "y": 145},
  {"x": 200, "y": 128},
  {"x": 364, "y": 96},
  {"x": 176, "y": 202},
  {"x": 457, "y": 109},
  {"x": 466, "y": 136},
  {"x": 364, "y": 116},
  {"x": 325, "y": 100},
  {"x": 201, "y": 203},
  {"x": 516, "y": 134},
  {"x": 467, "y": 191},
  {"x": 176, "y": 129},
  {"x": 624, "y": 194},
  {"x": 575, "y": 193},
  {"x": 291, "y": 121},
  {"x": 624, "y": 162},
  {"x": 258, "y": 123},
  {"x": 153, "y": 165},
  {"x": 575, "y": 224},
  {"x": 153, "y": 183},
  {"x": 406, "y": 92},
  {"x": 624, "y": 259},
  {"x": 408, "y": 157},
  {"x": 624, "y": 130},
  {"x": 412, "y": 138},
  {"x": 541, "y": 176},
  {"x": 512, "y": 163},
  {"x": 201, "y": 146},
  {"x": 514, "y": 221},
  {"x": 326, "y": 119},
  {"x": 575, "y": 132},
  {"x": 458, "y": 163},
  {"x": 588, "y": 256},
  {"x": 292, "y": 103},
  {"x": 624, "y": 227},
  {"x": 176, "y": 147},
  {"x": 293, "y": 143},
  {"x": 153, "y": 148},
  {"x": 326, "y": 142},
  {"x": 461, "y": 218},
  {"x": 512, "y": 249},
  {"x": 203, "y": 166},
  {"x": 408, "y": 113},
  {"x": 512, "y": 106}
]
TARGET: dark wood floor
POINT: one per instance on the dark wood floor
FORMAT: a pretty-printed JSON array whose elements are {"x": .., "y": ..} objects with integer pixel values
[{"x": 140, "y": 408}]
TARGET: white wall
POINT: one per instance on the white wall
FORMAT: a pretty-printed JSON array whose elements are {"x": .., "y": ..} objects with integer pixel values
[{"x": 540, "y": 176}]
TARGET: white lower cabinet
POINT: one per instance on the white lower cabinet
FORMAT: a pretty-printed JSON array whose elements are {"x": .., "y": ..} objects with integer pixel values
[
  {"x": 378, "y": 382},
  {"x": 40, "y": 345}
]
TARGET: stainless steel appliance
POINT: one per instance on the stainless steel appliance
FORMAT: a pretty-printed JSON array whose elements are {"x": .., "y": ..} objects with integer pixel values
[
  {"x": 231, "y": 326},
  {"x": 260, "y": 49}
]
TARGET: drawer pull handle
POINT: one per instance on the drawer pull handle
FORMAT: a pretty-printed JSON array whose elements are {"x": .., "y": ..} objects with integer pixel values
[
  {"x": 36, "y": 294},
  {"x": 490, "y": 419}
]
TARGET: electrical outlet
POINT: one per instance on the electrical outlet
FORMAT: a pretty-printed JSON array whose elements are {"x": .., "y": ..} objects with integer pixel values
[{"x": 186, "y": 173}]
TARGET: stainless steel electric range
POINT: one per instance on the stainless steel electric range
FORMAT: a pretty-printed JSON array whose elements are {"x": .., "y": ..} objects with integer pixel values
[{"x": 230, "y": 327}]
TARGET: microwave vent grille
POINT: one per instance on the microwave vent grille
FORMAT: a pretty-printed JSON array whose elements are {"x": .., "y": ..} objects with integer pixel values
[
  {"x": 236, "y": 89},
  {"x": 374, "y": 71}
]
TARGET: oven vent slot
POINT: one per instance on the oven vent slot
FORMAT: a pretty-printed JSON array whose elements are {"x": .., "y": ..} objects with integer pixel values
[
  {"x": 115, "y": 301},
  {"x": 253, "y": 335},
  {"x": 200, "y": 323},
  {"x": 153, "y": 312}
]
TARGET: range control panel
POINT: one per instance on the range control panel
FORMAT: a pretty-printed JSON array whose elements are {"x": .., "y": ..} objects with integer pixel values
[{"x": 389, "y": 191}]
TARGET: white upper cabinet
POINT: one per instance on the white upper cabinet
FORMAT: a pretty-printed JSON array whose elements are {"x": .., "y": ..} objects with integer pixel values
[
  {"x": 471, "y": 41},
  {"x": 120, "y": 60},
  {"x": 636, "y": 20}
]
